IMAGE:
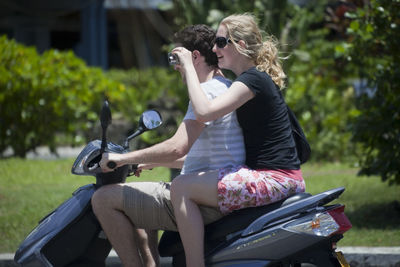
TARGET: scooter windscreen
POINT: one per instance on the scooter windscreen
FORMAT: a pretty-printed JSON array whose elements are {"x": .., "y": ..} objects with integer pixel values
[{"x": 87, "y": 162}]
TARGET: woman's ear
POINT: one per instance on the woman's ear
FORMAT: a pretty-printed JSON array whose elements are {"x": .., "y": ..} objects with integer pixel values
[{"x": 242, "y": 44}]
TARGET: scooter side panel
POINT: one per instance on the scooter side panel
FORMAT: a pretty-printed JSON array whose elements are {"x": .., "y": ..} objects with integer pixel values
[
  {"x": 269, "y": 245},
  {"x": 53, "y": 224}
]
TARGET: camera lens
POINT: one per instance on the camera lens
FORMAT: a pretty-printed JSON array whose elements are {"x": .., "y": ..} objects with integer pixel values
[{"x": 173, "y": 59}]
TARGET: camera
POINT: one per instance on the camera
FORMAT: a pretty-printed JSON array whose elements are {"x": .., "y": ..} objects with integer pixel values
[{"x": 173, "y": 59}]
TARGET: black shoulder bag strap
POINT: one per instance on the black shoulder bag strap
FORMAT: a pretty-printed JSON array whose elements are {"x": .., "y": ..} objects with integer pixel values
[{"x": 302, "y": 146}]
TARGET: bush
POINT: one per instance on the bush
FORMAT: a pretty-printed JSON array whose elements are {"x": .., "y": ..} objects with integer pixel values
[
  {"x": 45, "y": 95},
  {"x": 375, "y": 49},
  {"x": 323, "y": 102},
  {"x": 54, "y": 97},
  {"x": 319, "y": 90},
  {"x": 154, "y": 88}
]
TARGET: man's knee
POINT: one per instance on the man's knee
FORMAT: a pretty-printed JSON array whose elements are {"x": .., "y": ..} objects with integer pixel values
[{"x": 106, "y": 197}]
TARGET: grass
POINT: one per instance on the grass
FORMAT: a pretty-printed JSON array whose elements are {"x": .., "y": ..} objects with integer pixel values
[
  {"x": 30, "y": 189},
  {"x": 372, "y": 206}
]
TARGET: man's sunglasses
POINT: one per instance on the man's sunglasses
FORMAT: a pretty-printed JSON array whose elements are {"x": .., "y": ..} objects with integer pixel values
[{"x": 221, "y": 42}]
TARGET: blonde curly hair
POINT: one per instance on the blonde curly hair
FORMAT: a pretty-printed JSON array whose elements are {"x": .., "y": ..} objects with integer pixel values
[{"x": 264, "y": 53}]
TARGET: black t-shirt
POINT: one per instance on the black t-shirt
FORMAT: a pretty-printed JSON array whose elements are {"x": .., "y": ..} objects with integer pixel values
[{"x": 265, "y": 123}]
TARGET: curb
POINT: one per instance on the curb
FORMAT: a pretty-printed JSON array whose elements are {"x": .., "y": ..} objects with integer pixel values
[
  {"x": 355, "y": 256},
  {"x": 372, "y": 256}
]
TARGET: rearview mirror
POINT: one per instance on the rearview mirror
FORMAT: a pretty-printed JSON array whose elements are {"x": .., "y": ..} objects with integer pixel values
[{"x": 150, "y": 119}]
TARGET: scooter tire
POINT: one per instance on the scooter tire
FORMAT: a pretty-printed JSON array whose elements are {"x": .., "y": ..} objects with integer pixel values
[{"x": 179, "y": 260}]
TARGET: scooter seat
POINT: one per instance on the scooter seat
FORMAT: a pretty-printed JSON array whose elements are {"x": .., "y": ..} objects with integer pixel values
[{"x": 170, "y": 242}]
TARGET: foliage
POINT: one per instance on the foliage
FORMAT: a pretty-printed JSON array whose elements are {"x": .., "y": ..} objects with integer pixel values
[
  {"x": 42, "y": 95},
  {"x": 154, "y": 88},
  {"x": 271, "y": 13},
  {"x": 318, "y": 89},
  {"x": 374, "y": 48}
]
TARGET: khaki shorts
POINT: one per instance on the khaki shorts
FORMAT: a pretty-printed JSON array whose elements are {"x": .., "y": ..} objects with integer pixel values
[{"x": 148, "y": 206}]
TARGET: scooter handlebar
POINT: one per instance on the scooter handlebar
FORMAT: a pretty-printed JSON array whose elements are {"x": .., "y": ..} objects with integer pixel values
[{"x": 111, "y": 164}]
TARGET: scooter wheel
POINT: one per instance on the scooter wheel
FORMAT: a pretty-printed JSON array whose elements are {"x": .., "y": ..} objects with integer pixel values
[{"x": 179, "y": 260}]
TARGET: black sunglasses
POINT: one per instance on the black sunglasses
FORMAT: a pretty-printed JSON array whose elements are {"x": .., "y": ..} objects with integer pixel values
[{"x": 221, "y": 42}]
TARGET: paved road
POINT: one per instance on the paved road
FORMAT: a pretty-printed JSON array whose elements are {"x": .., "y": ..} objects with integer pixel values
[{"x": 356, "y": 257}]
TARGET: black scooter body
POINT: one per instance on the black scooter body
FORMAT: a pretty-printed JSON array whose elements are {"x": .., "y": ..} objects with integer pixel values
[
  {"x": 71, "y": 235},
  {"x": 54, "y": 241}
]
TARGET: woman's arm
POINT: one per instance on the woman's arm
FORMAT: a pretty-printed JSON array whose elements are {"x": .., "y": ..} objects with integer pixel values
[{"x": 205, "y": 109}]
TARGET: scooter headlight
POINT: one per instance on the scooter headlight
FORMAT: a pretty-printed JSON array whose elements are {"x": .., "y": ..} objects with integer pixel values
[{"x": 87, "y": 155}]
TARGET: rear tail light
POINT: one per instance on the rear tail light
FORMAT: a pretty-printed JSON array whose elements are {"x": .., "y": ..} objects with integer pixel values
[
  {"x": 322, "y": 224},
  {"x": 341, "y": 219}
]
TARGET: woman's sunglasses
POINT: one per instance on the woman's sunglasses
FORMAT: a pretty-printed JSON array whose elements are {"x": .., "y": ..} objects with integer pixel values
[{"x": 221, "y": 42}]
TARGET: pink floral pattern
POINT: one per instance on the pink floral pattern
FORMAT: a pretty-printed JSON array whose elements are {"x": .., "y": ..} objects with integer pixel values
[{"x": 241, "y": 187}]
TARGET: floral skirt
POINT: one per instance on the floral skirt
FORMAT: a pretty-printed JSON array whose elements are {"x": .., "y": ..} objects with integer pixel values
[{"x": 241, "y": 187}]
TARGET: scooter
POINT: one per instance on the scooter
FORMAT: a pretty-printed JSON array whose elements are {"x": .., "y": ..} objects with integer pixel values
[
  {"x": 71, "y": 234},
  {"x": 301, "y": 230}
]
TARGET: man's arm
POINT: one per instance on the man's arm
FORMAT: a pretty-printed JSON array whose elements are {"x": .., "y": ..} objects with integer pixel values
[
  {"x": 168, "y": 151},
  {"x": 177, "y": 164}
]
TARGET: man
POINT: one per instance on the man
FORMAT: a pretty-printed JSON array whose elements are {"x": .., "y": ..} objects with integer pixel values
[{"x": 123, "y": 209}]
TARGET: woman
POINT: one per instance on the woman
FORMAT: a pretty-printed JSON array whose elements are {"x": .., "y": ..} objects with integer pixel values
[{"x": 272, "y": 170}]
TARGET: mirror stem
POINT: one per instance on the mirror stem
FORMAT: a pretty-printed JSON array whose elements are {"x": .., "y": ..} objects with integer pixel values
[{"x": 129, "y": 138}]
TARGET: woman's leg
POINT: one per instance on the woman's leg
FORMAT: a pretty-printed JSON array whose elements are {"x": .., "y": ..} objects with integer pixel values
[{"x": 187, "y": 192}]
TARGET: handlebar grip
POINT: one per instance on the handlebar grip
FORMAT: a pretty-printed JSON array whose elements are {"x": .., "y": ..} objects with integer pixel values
[
  {"x": 134, "y": 167},
  {"x": 111, "y": 164}
]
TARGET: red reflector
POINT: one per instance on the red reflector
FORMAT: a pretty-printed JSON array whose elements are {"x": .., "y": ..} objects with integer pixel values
[{"x": 341, "y": 219}]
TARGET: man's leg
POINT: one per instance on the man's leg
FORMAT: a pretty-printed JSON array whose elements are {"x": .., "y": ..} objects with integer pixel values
[
  {"x": 142, "y": 205},
  {"x": 147, "y": 241},
  {"x": 107, "y": 203},
  {"x": 187, "y": 192}
]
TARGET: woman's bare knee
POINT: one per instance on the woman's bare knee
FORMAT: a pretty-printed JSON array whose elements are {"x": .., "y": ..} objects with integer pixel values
[
  {"x": 200, "y": 188},
  {"x": 177, "y": 189}
]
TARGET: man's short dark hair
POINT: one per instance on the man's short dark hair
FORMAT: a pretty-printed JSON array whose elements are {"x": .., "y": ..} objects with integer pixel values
[{"x": 198, "y": 37}]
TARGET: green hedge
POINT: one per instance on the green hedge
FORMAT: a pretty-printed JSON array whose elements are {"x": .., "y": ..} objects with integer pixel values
[
  {"x": 45, "y": 95},
  {"x": 153, "y": 88},
  {"x": 55, "y": 98},
  {"x": 323, "y": 100},
  {"x": 375, "y": 51},
  {"x": 320, "y": 84}
]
